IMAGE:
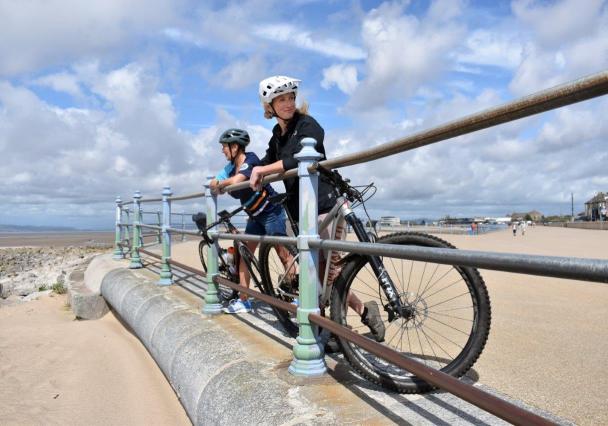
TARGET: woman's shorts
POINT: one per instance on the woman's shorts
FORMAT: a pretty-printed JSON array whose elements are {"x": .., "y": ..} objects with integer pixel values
[{"x": 271, "y": 223}]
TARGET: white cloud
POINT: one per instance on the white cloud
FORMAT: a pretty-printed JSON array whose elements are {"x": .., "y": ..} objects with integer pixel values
[
  {"x": 341, "y": 75},
  {"x": 561, "y": 21},
  {"x": 404, "y": 52},
  {"x": 39, "y": 34},
  {"x": 77, "y": 155},
  {"x": 568, "y": 41},
  {"x": 485, "y": 47},
  {"x": 241, "y": 73},
  {"x": 61, "y": 82},
  {"x": 290, "y": 34}
]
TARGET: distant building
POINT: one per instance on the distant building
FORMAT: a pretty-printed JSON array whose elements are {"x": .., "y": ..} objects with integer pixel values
[
  {"x": 595, "y": 208},
  {"x": 535, "y": 216},
  {"x": 456, "y": 221},
  {"x": 389, "y": 221}
]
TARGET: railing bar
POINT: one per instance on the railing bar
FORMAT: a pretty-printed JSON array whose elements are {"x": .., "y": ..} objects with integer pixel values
[
  {"x": 220, "y": 280},
  {"x": 257, "y": 238},
  {"x": 183, "y": 231},
  {"x": 595, "y": 270},
  {"x": 569, "y": 93},
  {"x": 187, "y": 196},
  {"x": 145, "y": 225},
  {"x": 488, "y": 402},
  {"x": 149, "y": 253}
]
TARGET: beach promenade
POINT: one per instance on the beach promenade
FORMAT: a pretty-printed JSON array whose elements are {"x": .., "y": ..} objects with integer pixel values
[{"x": 547, "y": 346}]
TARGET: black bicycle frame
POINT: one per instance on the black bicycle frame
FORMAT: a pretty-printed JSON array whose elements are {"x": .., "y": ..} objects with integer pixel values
[{"x": 377, "y": 265}]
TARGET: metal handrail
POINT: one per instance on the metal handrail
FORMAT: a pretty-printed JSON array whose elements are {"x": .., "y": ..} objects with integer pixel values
[
  {"x": 595, "y": 270},
  {"x": 569, "y": 93},
  {"x": 187, "y": 196},
  {"x": 145, "y": 225}
]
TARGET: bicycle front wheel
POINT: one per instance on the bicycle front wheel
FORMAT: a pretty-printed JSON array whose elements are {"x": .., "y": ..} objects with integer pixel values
[
  {"x": 280, "y": 280},
  {"x": 449, "y": 321}
]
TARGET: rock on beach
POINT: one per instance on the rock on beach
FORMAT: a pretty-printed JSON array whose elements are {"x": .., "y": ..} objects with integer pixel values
[{"x": 25, "y": 271}]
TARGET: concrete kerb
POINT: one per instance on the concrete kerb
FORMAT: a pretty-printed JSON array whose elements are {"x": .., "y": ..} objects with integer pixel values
[{"x": 84, "y": 287}]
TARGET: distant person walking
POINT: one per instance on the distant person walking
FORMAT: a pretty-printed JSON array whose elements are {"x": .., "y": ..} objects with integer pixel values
[
  {"x": 514, "y": 228},
  {"x": 523, "y": 228}
]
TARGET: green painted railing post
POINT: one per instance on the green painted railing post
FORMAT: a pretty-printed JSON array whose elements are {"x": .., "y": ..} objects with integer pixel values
[
  {"x": 307, "y": 352},
  {"x": 118, "y": 253},
  {"x": 166, "y": 277},
  {"x": 159, "y": 236},
  {"x": 212, "y": 301},
  {"x": 136, "y": 243}
]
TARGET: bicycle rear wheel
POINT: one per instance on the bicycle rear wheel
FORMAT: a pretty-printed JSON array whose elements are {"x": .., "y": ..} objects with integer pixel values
[
  {"x": 280, "y": 281},
  {"x": 450, "y": 322},
  {"x": 225, "y": 293}
]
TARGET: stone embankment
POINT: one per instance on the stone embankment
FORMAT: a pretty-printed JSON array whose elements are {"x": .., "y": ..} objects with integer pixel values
[{"x": 28, "y": 272}]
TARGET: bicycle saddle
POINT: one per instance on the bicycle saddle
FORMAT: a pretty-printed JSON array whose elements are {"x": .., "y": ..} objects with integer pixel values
[{"x": 201, "y": 220}]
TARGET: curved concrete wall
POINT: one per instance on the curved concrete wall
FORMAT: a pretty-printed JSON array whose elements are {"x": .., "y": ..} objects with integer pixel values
[{"x": 208, "y": 368}]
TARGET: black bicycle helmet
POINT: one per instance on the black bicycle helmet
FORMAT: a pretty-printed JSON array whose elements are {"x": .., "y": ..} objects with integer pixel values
[{"x": 238, "y": 136}]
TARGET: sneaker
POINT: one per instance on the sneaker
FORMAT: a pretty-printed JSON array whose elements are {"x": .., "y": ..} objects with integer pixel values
[
  {"x": 371, "y": 318},
  {"x": 238, "y": 306}
]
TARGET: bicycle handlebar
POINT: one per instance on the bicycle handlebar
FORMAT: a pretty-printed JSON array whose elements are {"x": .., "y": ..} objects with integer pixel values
[{"x": 339, "y": 182}]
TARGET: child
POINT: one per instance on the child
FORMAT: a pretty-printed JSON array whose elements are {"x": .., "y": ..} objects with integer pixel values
[{"x": 265, "y": 218}]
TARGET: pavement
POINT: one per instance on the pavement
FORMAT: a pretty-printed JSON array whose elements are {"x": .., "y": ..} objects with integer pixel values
[{"x": 233, "y": 369}]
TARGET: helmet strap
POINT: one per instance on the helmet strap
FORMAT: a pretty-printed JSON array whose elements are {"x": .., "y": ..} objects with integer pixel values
[{"x": 240, "y": 150}]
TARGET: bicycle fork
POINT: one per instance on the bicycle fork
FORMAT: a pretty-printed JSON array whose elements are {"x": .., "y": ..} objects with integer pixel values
[{"x": 394, "y": 308}]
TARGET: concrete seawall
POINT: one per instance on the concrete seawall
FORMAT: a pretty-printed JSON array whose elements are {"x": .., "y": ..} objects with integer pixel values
[{"x": 202, "y": 362}]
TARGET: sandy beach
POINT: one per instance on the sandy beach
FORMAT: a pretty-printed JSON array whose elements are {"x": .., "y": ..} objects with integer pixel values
[
  {"x": 56, "y": 370},
  {"x": 547, "y": 346}
]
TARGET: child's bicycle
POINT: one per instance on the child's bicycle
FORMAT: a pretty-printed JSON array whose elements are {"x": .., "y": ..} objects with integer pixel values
[
  {"x": 437, "y": 314},
  {"x": 228, "y": 258}
]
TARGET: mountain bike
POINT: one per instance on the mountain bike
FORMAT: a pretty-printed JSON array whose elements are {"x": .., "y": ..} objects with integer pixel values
[{"x": 434, "y": 313}]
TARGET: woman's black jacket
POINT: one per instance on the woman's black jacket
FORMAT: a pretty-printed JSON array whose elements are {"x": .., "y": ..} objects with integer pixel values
[{"x": 286, "y": 146}]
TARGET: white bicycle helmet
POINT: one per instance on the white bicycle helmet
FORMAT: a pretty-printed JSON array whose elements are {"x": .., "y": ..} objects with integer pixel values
[{"x": 277, "y": 85}]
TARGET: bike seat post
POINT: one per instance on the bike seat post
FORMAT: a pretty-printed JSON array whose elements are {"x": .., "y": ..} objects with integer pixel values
[
  {"x": 308, "y": 360},
  {"x": 212, "y": 301}
]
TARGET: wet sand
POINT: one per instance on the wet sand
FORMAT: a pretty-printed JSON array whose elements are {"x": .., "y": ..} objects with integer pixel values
[{"x": 56, "y": 239}]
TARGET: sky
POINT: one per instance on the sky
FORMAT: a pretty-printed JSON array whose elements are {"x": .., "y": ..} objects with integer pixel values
[{"x": 101, "y": 98}]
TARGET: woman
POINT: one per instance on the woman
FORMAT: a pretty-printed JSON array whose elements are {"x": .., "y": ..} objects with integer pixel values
[{"x": 278, "y": 97}]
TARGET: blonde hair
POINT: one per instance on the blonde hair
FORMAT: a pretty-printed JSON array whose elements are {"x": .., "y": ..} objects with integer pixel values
[{"x": 269, "y": 112}]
